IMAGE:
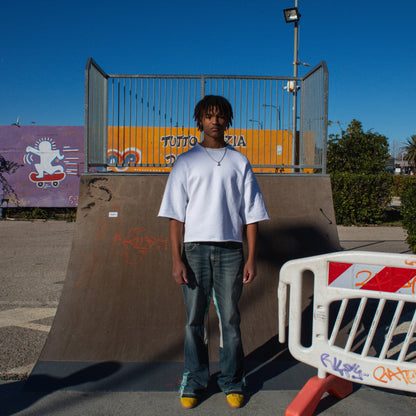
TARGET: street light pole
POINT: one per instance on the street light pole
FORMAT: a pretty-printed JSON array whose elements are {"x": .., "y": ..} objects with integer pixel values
[
  {"x": 257, "y": 121},
  {"x": 295, "y": 52},
  {"x": 292, "y": 15},
  {"x": 295, "y": 92},
  {"x": 279, "y": 125}
]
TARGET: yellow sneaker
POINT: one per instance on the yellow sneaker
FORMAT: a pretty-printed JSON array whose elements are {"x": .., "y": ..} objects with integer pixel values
[
  {"x": 235, "y": 400},
  {"x": 189, "y": 402}
]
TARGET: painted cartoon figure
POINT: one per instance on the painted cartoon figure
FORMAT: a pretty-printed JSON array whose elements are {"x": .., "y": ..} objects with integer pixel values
[{"x": 47, "y": 155}]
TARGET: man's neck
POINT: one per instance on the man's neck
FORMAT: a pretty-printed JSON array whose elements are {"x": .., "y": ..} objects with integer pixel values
[{"x": 213, "y": 143}]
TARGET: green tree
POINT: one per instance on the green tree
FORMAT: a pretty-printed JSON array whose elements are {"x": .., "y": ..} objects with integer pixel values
[
  {"x": 410, "y": 150},
  {"x": 356, "y": 151}
]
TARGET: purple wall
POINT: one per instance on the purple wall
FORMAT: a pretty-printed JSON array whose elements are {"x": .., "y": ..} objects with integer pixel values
[{"x": 40, "y": 166}]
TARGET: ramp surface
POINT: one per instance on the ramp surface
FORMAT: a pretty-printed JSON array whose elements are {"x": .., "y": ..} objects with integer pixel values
[{"x": 120, "y": 320}]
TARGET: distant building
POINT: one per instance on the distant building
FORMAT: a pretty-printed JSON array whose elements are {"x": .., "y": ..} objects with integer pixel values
[{"x": 403, "y": 167}]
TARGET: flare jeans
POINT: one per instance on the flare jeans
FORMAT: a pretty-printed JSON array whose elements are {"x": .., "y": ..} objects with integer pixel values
[{"x": 213, "y": 269}]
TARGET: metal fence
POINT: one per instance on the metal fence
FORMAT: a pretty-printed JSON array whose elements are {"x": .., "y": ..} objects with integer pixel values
[{"x": 141, "y": 123}]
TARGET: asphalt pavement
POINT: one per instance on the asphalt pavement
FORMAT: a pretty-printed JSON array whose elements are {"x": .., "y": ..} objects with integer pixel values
[{"x": 33, "y": 263}]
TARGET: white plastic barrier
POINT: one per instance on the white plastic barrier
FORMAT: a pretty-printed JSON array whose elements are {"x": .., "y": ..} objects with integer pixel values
[{"x": 380, "y": 347}]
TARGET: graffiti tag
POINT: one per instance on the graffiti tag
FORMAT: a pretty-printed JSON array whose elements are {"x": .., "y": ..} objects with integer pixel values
[
  {"x": 410, "y": 285},
  {"x": 385, "y": 375},
  {"x": 350, "y": 371},
  {"x": 138, "y": 244}
]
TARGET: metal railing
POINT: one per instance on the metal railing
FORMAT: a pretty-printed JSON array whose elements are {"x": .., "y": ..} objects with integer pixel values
[{"x": 142, "y": 123}]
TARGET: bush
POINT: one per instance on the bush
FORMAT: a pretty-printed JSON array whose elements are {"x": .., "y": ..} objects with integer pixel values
[
  {"x": 36, "y": 213},
  {"x": 356, "y": 151},
  {"x": 361, "y": 198},
  {"x": 407, "y": 192}
]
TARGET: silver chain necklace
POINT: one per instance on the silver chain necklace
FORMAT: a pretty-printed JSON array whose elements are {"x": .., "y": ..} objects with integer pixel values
[{"x": 218, "y": 162}]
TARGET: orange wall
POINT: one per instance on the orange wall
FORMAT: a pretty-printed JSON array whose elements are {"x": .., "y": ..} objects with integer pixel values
[{"x": 161, "y": 145}]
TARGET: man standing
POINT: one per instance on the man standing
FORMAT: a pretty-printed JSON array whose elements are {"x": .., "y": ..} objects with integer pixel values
[{"x": 210, "y": 198}]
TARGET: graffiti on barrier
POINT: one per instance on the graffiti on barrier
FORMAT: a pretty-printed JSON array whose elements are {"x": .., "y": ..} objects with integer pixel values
[
  {"x": 411, "y": 284},
  {"x": 386, "y": 375},
  {"x": 346, "y": 370}
]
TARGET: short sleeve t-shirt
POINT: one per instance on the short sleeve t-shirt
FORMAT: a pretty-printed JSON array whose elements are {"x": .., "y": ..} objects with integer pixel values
[{"x": 213, "y": 201}]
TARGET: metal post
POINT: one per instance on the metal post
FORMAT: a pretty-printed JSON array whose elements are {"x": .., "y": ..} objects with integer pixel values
[
  {"x": 87, "y": 118},
  {"x": 325, "y": 120},
  {"x": 202, "y": 96},
  {"x": 295, "y": 92}
]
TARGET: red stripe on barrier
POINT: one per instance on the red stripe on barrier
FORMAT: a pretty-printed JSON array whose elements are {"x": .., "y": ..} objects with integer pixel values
[
  {"x": 389, "y": 279},
  {"x": 336, "y": 269}
]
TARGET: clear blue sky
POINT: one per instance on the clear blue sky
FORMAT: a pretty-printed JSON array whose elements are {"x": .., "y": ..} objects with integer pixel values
[{"x": 369, "y": 48}]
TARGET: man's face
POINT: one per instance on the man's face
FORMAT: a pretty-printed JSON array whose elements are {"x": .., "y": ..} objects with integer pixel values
[{"x": 213, "y": 123}]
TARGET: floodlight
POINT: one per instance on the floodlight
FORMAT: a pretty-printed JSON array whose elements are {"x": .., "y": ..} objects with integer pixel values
[{"x": 291, "y": 15}]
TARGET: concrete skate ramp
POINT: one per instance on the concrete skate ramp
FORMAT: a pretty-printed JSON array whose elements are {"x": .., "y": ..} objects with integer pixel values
[{"x": 120, "y": 320}]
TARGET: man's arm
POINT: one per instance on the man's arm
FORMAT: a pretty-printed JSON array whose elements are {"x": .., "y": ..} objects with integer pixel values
[
  {"x": 176, "y": 238},
  {"x": 250, "y": 268}
]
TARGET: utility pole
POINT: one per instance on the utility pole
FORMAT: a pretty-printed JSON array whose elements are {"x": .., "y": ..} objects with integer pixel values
[
  {"x": 295, "y": 92},
  {"x": 292, "y": 15}
]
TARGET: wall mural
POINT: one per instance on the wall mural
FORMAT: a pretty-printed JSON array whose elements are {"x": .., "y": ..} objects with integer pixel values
[
  {"x": 40, "y": 166},
  {"x": 46, "y": 173}
]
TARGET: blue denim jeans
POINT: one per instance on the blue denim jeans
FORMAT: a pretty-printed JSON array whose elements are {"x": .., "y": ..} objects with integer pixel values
[{"x": 217, "y": 269}]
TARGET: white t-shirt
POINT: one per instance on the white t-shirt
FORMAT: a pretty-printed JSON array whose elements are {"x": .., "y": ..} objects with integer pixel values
[{"x": 214, "y": 202}]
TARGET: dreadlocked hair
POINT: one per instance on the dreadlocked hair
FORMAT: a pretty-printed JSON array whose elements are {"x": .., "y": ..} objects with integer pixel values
[{"x": 210, "y": 102}]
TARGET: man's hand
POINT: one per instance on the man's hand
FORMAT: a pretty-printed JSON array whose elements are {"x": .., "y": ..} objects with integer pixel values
[
  {"x": 250, "y": 272},
  {"x": 179, "y": 272},
  {"x": 178, "y": 267},
  {"x": 250, "y": 268}
]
